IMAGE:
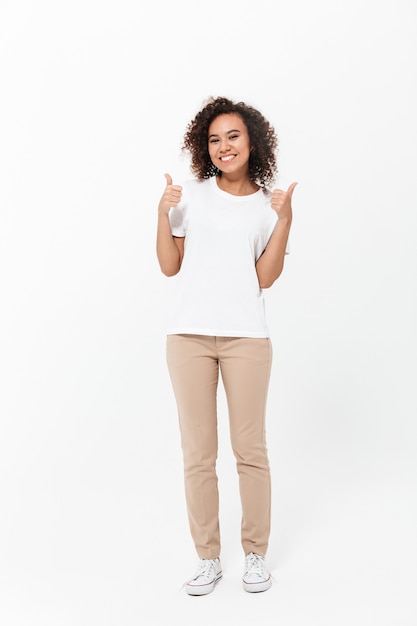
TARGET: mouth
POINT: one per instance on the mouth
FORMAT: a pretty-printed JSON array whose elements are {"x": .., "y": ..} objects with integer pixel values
[{"x": 228, "y": 158}]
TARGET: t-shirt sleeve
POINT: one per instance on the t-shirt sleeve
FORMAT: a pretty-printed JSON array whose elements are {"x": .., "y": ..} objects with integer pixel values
[
  {"x": 177, "y": 220},
  {"x": 178, "y": 215},
  {"x": 273, "y": 222}
]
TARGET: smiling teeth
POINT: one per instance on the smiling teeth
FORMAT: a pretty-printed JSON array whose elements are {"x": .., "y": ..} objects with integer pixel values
[{"x": 228, "y": 158}]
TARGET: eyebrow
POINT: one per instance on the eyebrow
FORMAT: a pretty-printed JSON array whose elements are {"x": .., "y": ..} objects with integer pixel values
[{"x": 235, "y": 130}]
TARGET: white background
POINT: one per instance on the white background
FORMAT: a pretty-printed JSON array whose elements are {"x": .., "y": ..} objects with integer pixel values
[{"x": 95, "y": 99}]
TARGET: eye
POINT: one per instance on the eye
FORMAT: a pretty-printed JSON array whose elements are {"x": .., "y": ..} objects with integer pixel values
[
  {"x": 213, "y": 140},
  {"x": 233, "y": 136}
]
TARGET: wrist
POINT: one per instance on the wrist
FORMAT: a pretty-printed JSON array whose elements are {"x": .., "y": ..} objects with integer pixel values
[{"x": 285, "y": 221}]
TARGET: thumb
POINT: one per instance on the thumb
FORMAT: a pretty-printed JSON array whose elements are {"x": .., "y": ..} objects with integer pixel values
[
  {"x": 291, "y": 189},
  {"x": 168, "y": 179}
]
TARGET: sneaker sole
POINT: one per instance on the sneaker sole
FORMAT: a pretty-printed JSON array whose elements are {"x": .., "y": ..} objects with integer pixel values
[
  {"x": 257, "y": 587},
  {"x": 202, "y": 590}
]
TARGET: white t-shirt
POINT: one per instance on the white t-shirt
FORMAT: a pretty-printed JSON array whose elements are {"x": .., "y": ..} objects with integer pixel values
[{"x": 216, "y": 292}]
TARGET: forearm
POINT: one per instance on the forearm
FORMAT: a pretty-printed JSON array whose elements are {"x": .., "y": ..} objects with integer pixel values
[
  {"x": 167, "y": 251},
  {"x": 270, "y": 264}
]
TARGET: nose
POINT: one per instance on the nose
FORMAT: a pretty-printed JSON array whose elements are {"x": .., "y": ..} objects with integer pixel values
[{"x": 224, "y": 145}]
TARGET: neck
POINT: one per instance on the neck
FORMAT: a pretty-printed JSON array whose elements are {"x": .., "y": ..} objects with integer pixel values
[{"x": 237, "y": 187}]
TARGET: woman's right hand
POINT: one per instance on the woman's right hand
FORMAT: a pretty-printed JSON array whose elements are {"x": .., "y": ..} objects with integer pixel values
[{"x": 171, "y": 196}]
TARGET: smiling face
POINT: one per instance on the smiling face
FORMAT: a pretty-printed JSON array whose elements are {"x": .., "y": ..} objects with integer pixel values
[{"x": 229, "y": 144}]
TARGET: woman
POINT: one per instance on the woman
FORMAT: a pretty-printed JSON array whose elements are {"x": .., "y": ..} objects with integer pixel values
[{"x": 223, "y": 235}]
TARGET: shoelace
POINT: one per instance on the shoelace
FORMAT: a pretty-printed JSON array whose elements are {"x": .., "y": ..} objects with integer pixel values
[
  {"x": 255, "y": 565},
  {"x": 205, "y": 568}
]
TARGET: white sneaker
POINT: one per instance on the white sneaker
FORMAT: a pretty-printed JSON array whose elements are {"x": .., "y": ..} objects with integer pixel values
[
  {"x": 208, "y": 573},
  {"x": 256, "y": 576}
]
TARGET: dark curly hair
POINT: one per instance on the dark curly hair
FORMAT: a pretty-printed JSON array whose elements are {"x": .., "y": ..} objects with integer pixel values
[{"x": 263, "y": 140}]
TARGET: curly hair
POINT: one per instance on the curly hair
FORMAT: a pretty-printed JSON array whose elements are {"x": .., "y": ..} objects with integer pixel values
[{"x": 262, "y": 136}]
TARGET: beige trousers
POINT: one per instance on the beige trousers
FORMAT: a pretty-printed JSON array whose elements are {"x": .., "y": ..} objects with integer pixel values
[{"x": 194, "y": 362}]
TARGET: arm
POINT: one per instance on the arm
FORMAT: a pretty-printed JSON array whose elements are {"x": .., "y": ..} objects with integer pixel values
[
  {"x": 271, "y": 262},
  {"x": 169, "y": 249}
]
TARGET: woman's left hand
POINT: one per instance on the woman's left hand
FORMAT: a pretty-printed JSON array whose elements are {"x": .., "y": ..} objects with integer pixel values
[{"x": 281, "y": 202}]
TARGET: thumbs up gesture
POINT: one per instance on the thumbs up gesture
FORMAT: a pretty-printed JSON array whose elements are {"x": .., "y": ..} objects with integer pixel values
[
  {"x": 170, "y": 197},
  {"x": 281, "y": 202}
]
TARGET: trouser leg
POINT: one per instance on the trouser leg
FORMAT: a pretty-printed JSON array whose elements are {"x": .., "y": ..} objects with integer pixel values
[
  {"x": 245, "y": 367},
  {"x": 193, "y": 368}
]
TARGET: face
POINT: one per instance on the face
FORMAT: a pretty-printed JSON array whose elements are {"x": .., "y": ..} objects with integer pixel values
[{"x": 229, "y": 144}]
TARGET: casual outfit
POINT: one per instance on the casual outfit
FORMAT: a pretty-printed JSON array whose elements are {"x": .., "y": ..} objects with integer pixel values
[
  {"x": 217, "y": 291},
  {"x": 216, "y": 325}
]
